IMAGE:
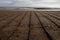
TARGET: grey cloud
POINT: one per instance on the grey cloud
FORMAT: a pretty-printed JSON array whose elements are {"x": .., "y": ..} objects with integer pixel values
[
  {"x": 45, "y": 0},
  {"x": 30, "y": 3}
]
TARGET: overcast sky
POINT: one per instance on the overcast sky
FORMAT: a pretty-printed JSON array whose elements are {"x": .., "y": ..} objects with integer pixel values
[{"x": 30, "y": 3}]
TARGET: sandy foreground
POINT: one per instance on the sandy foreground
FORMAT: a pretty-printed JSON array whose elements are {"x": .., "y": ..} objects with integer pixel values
[{"x": 29, "y": 25}]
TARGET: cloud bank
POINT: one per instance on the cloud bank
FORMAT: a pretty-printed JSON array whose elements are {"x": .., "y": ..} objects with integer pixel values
[{"x": 30, "y": 3}]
